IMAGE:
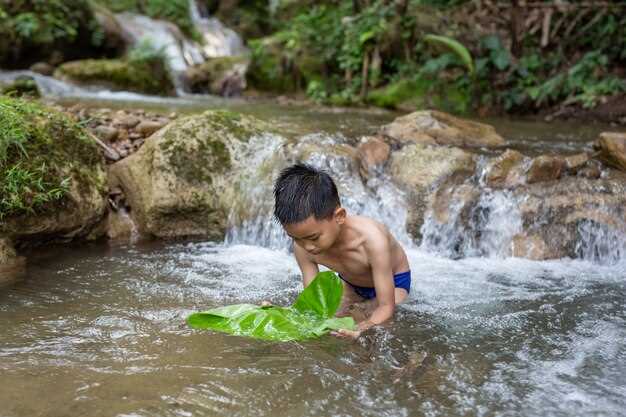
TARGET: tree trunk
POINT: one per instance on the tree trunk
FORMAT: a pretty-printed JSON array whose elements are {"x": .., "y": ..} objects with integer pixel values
[
  {"x": 516, "y": 44},
  {"x": 365, "y": 75}
]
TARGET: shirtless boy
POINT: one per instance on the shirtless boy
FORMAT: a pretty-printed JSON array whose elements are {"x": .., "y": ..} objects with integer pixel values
[{"x": 366, "y": 256}]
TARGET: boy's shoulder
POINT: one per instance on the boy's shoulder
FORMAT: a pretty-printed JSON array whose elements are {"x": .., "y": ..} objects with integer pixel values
[{"x": 370, "y": 229}]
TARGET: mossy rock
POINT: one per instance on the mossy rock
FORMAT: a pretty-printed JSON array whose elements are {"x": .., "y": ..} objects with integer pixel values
[
  {"x": 52, "y": 178},
  {"x": 179, "y": 184},
  {"x": 118, "y": 74},
  {"x": 218, "y": 75},
  {"x": 21, "y": 87}
]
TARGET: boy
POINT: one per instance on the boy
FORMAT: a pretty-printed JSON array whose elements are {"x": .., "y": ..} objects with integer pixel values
[{"x": 366, "y": 256}]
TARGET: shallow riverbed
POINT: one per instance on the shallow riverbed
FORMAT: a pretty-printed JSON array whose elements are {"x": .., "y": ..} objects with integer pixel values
[{"x": 100, "y": 331}]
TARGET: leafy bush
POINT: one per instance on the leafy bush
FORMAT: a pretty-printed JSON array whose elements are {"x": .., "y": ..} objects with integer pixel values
[
  {"x": 175, "y": 11},
  {"x": 30, "y": 28}
]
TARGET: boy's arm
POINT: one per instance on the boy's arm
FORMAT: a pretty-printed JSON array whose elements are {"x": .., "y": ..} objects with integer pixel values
[
  {"x": 308, "y": 268},
  {"x": 379, "y": 252}
]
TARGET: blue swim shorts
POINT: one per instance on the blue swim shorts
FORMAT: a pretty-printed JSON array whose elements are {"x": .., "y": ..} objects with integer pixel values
[{"x": 401, "y": 280}]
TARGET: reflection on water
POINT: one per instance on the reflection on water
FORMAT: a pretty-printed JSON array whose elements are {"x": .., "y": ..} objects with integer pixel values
[{"x": 100, "y": 331}]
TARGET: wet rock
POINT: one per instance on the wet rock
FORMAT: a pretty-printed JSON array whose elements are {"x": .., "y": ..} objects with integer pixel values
[
  {"x": 506, "y": 170},
  {"x": 429, "y": 127},
  {"x": 574, "y": 163},
  {"x": 225, "y": 76},
  {"x": 178, "y": 183},
  {"x": 119, "y": 225},
  {"x": 531, "y": 247},
  {"x": 612, "y": 149},
  {"x": 554, "y": 212},
  {"x": 11, "y": 265},
  {"x": 106, "y": 133},
  {"x": 417, "y": 169},
  {"x": 591, "y": 170},
  {"x": 544, "y": 168},
  {"x": 148, "y": 127},
  {"x": 373, "y": 153},
  {"x": 42, "y": 68}
]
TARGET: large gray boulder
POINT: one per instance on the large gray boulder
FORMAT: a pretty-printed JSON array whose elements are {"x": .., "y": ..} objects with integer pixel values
[{"x": 182, "y": 181}]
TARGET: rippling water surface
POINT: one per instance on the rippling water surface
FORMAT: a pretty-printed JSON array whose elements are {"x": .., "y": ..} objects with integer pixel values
[{"x": 100, "y": 331}]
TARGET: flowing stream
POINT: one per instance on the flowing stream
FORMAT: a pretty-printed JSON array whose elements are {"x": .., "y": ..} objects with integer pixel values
[{"x": 99, "y": 330}]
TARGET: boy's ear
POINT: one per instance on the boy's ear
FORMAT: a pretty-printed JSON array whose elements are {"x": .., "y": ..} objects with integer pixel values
[{"x": 340, "y": 215}]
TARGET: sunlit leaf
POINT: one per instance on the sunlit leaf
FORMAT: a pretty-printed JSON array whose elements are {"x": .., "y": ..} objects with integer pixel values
[
  {"x": 312, "y": 315},
  {"x": 455, "y": 46}
]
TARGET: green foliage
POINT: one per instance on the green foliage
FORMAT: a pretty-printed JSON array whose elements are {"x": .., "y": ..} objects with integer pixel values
[
  {"x": 35, "y": 143},
  {"x": 312, "y": 315},
  {"x": 32, "y": 24},
  {"x": 455, "y": 47},
  {"x": 342, "y": 34},
  {"x": 175, "y": 11}
]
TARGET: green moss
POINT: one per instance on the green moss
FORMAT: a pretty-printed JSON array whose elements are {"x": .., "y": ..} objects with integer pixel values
[
  {"x": 139, "y": 76},
  {"x": 399, "y": 92},
  {"x": 40, "y": 149},
  {"x": 197, "y": 146}
]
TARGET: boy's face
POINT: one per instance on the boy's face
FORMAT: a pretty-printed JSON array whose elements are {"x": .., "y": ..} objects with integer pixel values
[{"x": 316, "y": 236}]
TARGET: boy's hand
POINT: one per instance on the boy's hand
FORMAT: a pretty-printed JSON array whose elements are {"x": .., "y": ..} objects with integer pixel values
[
  {"x": 266, "y": 303},
  {"x": 347, "y": 334}
]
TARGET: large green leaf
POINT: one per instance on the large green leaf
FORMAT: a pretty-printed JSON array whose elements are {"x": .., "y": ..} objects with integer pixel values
[
  {"x": 456, "y": 47},
  {"x": 310, "y": 316}
]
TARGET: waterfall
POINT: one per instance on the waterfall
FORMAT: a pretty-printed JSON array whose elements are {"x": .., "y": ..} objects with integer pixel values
[
  {"x": 179, "y": 52},
  {"x": 377, "y": 198},
  {"x": 217, "y": 39},
  {"x": 485, "y": 228}
]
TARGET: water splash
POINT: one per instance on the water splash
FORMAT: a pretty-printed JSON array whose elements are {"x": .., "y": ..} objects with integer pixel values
[
  {"x": 377, "y": 198},
  {"x": 483, "y": 228},
  {"x": 599, "y": 244}
]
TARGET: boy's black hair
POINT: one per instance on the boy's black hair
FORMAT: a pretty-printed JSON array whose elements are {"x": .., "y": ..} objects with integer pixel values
[{"x": 302, "y": 191}]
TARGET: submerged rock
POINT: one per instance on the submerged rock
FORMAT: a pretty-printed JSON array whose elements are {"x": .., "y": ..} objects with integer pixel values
[
  {"x": 11, "y": 265},
  {"x": 178, "y": 183},
  {"x": 52, "y": 178},
  {"x": 430, "y": 127},
  {"x": 612, "y": 149}
]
